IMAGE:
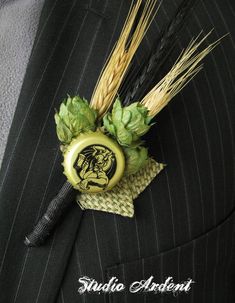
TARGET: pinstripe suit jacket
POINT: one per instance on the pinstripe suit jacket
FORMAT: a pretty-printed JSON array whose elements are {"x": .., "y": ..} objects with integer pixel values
[{"x": 184, "y": 222}]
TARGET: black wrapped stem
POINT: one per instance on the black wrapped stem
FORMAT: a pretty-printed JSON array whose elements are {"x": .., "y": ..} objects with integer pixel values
[{"x": 53, "y": 214}]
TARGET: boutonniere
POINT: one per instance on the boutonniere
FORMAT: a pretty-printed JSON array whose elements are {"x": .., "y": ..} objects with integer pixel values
[{"x": 105, "y": 157}]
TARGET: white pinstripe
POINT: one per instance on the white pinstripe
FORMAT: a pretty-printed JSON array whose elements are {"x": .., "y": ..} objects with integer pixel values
[
  {"x": 167, "y": 179},
  {"x": 182, "y": 172},
  {"x": 216, "y": 263},
  {"x": 38, "y": 214},
  {"x": 43, "y": 28},
  {"x": 223, "y": 92},
  {"x": 231, "y": 258},
  {"x": 97, "y": 246},
  {"x": 219, "y": 128},
  {"x": 89, "y": 53},
  {"x": 193, "y": 270},
  {"x": 45, "y": 269},
  {"x": 80, "y": 272},
  {"x": 143, "y": 277},
  {"x": 161, "y": 274},
  {"x": 154, "y": 217},
  {"x": 62, "y": 295},
  {"x": 169, "y": 192},
  {"x": 205, "y": 273},
  {"x": 181, "y": 165},
  {"x": 178, "y": 266},
  {"x": 225, "y": 25},
  {"x": 231, "y": 7},
  {"x": 233, "y": 86},
  {"x": 124, "y": 280},
  {"x": 21, "y": 275},
  {"x": 137, "y": 236},
  {"x": 196, "y": 161}
]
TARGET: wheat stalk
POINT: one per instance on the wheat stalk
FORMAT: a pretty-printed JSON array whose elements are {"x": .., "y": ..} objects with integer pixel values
[
  {"x": 185, "y": 68},
  {"x": 116, "y": 66}
]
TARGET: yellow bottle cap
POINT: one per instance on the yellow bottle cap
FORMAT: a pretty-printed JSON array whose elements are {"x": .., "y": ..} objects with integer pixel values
[{"x": 93, "y": 162}]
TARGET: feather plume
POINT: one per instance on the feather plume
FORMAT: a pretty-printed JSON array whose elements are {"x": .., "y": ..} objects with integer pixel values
[
  {"x": 185, "y": 68},
  {"x": 121, "y": 56}
]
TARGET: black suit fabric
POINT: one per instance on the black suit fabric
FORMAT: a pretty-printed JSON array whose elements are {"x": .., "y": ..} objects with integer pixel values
[{"x": 184, "y": 221}]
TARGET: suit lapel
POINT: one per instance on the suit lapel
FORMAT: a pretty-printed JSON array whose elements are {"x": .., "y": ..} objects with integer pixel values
[
  {"x": 32, "y": 171},
  {"x": 66, "y": 59}
]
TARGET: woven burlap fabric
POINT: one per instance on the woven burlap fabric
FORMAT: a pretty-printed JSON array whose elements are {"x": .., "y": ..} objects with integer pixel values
[{"x": 120, "y": 200}]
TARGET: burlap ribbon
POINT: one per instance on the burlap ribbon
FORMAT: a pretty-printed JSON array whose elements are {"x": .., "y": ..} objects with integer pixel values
[{"x": 120, "y": 200}]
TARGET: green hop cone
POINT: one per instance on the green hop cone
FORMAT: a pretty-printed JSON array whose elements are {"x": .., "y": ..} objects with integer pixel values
[
  {"x": 127, "y": 124},
  {"x": 74, "y": 117},
  {"x": 136, "y": 158}
]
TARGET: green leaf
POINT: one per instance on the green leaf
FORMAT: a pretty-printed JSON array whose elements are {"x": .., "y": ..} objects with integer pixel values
[
  {"x": 127, "y": 124},
  {"x": 74, "y": 117},
  {"x": 123, "y": 136},
  {"x": 63, "y": 132},
  {"x": 136, "y": 158},
  {"x": 108, "y": 125}
]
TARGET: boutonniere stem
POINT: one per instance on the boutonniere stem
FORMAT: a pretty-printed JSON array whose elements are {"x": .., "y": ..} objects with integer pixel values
[{"x": 106, "y": 159}]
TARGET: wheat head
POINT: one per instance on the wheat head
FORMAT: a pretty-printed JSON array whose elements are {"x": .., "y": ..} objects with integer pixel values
[
  {"x": 116, "y": 66},
  {"x": 185, "y": 68}
]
